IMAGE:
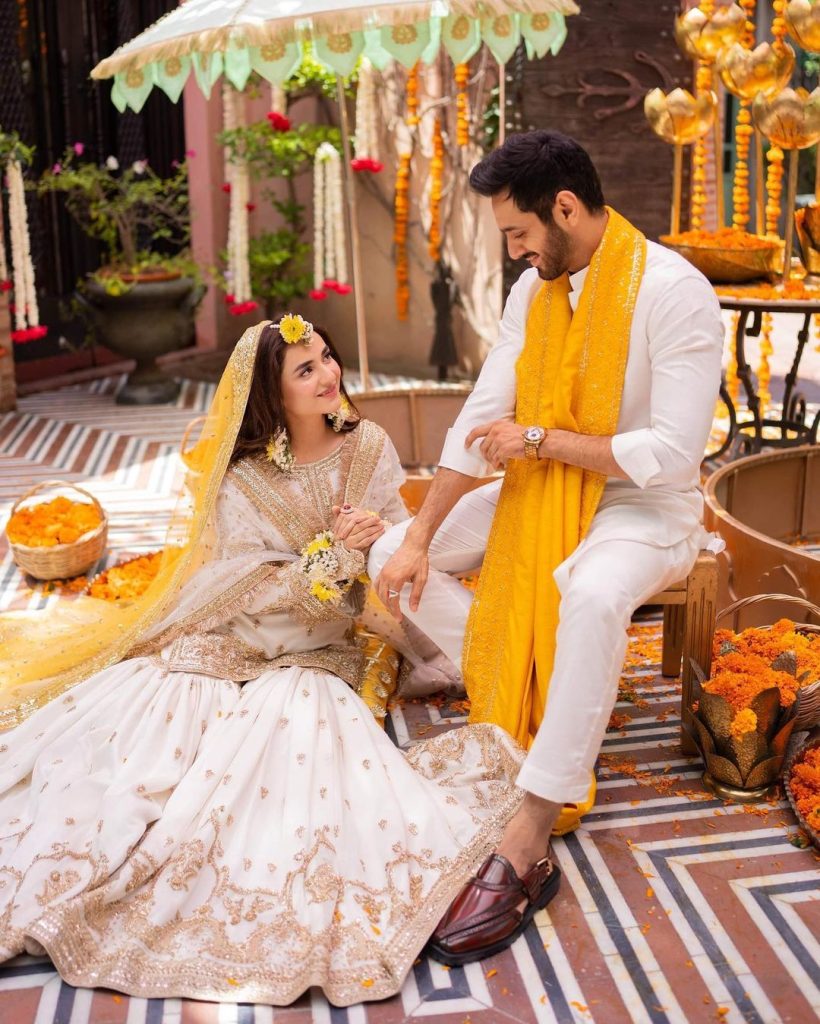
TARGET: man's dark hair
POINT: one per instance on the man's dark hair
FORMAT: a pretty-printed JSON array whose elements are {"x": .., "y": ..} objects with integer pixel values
[{"x": 533, "y": 167}]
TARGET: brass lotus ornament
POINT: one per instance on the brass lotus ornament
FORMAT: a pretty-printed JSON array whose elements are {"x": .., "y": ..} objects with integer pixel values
[
  {"x": 747, "y": 73},
  {"x": 802, "y": 19},
  {"x": 703, "y": 37},
  {"x": 679, "y": 118},
  {"x": 790, "y": 119}
]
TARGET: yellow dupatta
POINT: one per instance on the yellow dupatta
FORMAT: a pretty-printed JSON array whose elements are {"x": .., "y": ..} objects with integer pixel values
[{"x": 570, "y": 376}]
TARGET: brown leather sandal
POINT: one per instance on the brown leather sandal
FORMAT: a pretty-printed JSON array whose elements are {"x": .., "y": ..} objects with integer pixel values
[{"x": 484, "y": 918}]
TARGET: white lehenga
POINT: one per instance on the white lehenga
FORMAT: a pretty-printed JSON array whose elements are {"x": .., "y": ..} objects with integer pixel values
[{"x": 166, "y": 830}]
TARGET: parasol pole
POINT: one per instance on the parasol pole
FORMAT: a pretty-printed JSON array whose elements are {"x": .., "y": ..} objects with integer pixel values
[
  {"x": 502, "y": 103},
  {"x": 353, "y": 232}
]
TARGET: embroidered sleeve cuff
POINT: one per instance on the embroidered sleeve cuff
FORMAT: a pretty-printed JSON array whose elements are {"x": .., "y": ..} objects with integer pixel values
[
  {"x": 467, "y": 461},
  {"x": 633, "y": 453}
]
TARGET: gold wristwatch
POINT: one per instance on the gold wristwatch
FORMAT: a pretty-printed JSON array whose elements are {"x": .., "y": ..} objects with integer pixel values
[{"x": 533, "y": 436}]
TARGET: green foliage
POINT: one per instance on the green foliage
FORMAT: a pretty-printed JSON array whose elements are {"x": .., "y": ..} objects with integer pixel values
[
  {"x": 490, "y": 121},
  {"x": 12, "y": 147},
  {"x": 279, "y": 268},
  {"x": 311, "y": 76},
  {"x": 136, "y": 214},
  {"x": 272, "y": 154}
]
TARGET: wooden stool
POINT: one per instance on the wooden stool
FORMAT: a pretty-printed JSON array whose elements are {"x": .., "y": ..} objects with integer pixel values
[{"x": 689, "y": 610}]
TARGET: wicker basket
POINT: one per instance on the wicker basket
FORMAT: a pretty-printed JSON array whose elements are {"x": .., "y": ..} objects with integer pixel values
[
  {"x": 804, "y": 748},
  {"x": 62, "y": 560},
  {"x": 808, "y": 698}
]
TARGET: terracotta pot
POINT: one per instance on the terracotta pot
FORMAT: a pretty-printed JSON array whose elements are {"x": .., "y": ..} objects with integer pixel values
[{"x": 151, "y": 318}]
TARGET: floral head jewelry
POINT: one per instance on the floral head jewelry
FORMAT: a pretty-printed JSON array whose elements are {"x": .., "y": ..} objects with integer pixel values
[{"x": 294, "y": 329}]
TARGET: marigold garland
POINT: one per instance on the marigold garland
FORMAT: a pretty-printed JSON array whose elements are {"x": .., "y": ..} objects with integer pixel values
[
  {"x": 128, "y": 580},
  {"x": 703, "y": 83},
  {"x": 413, "y": 96},
  {"x": 402, "y": 216},
  {"x": 778, "y": 24},
  {"x": 804, "y": 783},
  {"x": 59, "y": 521},
  {"x": 741, "y": 201},
  {"x": 817, "y": 331},
  {"x": 462, "y": 74},
  {"x": 764, "y": 373},
  {"x": 436, "y": 176},
  {"x": 732, "y": 379},
  {"x": 774, "y": 189}
]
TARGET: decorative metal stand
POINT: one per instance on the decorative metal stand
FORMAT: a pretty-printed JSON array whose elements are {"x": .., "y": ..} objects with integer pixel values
[{"x": 745, "y": 436}]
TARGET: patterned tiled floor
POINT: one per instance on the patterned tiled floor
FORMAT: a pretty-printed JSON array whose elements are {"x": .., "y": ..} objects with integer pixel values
[{"x": 674, "y": 907}]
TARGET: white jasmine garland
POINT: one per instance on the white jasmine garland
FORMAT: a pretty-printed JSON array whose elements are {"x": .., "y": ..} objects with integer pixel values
[
  {"x": 237, "y": 176},
  {"x": 112, "y": 163},
  {"x": 366, "y": 141},
  {"x": 329, "y": 244},
  {"x": 4, "y": 267},
  {"x": 26, "y": 312},
  {"x": 320, "y": 564},
  {"x": 278, "y": 99}
]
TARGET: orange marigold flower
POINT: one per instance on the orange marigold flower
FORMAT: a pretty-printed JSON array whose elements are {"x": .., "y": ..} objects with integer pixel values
[
  {"x": 724, "y": 238},
  {"x": 804, "y": 783},
  {"x": 745, "y": 721},
  {"x": 127, "y": 580}
]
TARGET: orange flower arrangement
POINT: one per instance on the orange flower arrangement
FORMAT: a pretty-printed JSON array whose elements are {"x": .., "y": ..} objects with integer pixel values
[
  {"x": 402, "y": 214},
  {"x": 59, "y": 521},
  {"x": 127, "y": 580},
  {"x": 741, "y": 203},
  {"x": 764, "y": 373},
  {"x": 436, "y": 175},
  {"x": 804, "y": 783},
  {"x": 742, "y": 666},
  {"x": 724, "y": 238},
  {"x": 744, "y": 721},
  {"x": 794, "y": 289},
  {"x": 462, "y": 74},
  {"x": 778, "y": 24}
]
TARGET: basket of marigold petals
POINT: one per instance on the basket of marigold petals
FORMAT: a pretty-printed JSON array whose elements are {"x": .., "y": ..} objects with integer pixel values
[
  {"x": 765, "y": 685},
  {"x": 801, "y": 780},
  {"x": 59, "y": 538},
  {"x": 729, "y": 255}
]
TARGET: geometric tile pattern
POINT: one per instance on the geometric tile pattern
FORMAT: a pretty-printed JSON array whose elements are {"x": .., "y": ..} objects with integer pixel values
[{"x": 674, "y": 907}]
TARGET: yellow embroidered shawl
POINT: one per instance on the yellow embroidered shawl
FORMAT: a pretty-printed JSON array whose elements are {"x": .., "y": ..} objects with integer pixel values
[{"x": 570, "y": 375}]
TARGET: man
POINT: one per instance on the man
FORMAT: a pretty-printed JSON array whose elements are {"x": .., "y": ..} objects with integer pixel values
[{"x": 597, "y": 400}]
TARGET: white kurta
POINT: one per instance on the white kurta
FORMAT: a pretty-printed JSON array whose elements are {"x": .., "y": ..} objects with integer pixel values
[
  {"x": 166, "y": 831},
  {"x": 647, "y": 530}
]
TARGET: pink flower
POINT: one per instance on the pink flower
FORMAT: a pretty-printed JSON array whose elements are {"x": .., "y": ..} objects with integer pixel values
[
  {"x": 226, "y": 188},
  {"x": 250, "y": 207},
  {"x": 28, "y": 334},
  {"x": 57, "y": 169},
  {"x": 190, "y": 153},
  {"x": 278, "y": 121},
  {"x": 317, "y": 294},
  {"x": 366, "y": 164},
  {"x": 241, "y": 308},
  {"x": 343, "y": 289},
  {"x": 330, "y": 285},
  {"x": 79, "y": 148},
  {"x": 230, "y": 299},
  {"x": 6, "y": 286}
]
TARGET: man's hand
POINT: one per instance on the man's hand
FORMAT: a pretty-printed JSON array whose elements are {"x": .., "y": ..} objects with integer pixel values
[
  {"x": 408, "y": 565},
  {"x": 355, "y": 528},
  {"x": 503, "y": 440}
]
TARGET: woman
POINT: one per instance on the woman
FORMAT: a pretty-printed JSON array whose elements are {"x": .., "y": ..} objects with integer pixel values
[{"x": 219, "y": 816}]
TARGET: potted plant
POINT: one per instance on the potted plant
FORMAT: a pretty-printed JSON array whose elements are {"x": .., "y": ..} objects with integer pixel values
[{"x": 141, "y": 302}]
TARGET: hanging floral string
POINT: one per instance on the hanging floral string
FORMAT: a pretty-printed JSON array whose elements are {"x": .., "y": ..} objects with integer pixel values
[
  {"x": 703, "y": 83},
  {"x": 366, "y": 143},
  {"x": 26, "y": 311},
  {"x": 5, "y": 284},
  {"x": 329, "y": 244},
  {"x": 436, "y": 178},
  {"x": 462, "y": 74},
  {"x": 732, "y": 379},
  {"x": 413, "y": 96},
  {"x": 774, "y": 189},
  {"x": 402, "y": 214},
  {"x": 238, "y": 186},
  {"x": 741, "y": 200},
  {"x": 817, "y": 332},
  {"x": 778, "y": 24}
]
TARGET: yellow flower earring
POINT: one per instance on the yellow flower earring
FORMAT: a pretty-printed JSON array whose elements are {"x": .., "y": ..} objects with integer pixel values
[
  {"x": 342, "y": 416},
  {"x": 278, "y": 451}
]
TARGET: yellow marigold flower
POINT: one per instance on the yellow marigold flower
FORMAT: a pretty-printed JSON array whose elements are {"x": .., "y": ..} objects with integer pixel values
[
  {"x": 322, "y": 592},
  {"x": 294, "y": 328},
  {"x": 745, "y": 721}
]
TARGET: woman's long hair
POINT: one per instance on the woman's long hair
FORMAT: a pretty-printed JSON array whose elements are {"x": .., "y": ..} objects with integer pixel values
[{"x": 265, "y": 412}]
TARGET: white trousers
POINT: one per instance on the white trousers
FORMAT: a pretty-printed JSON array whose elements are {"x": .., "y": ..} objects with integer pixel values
[{"x": 603, "y": 583}]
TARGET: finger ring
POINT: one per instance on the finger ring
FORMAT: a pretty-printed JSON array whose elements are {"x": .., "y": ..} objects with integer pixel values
[
  {"x": 392, "y": 593},
  {"x": 347, "y": 508}
]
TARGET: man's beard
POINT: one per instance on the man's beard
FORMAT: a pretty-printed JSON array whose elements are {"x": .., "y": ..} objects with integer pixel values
[{"x": 554, "y": 262}]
